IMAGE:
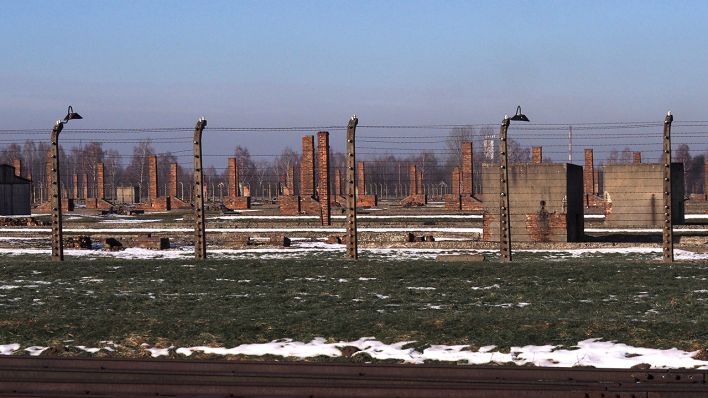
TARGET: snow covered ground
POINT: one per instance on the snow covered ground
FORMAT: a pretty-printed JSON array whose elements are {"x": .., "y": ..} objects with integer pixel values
[
  {"x": 306, "y": 248},
  {"x": 591, "y": 352}
]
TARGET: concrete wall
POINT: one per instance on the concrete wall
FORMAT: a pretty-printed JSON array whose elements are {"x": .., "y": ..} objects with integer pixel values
[
  {"x": 546, "y": 202},
  {"x": 14, "y": 193},
  {"x": 15, "y": 199},
  {"x": 634, "y": 194},
  {"x": 127, "y": 195}
]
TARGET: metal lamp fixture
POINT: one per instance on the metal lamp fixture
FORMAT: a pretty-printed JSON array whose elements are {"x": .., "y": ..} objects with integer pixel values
[
  {"x": 71, "y": 115},
  {"x": 519, "y": 116}
]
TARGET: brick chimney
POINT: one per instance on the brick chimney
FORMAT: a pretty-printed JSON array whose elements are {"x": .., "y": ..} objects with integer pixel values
[
  {"x": 467, "y": 176},
  {"x": 233, "y": 178},
  {"x": 588, "y": 173},
  {"x": 323, "y": 177},
  {"x": 307, "y": 167},
  {"x": 537, "y": 155},
  {"x": 152, "y": 173}
]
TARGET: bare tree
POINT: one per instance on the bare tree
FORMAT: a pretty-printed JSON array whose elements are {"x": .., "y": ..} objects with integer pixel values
[
  {"x": 137, "y": 169},
  {"x": 287, "y": 158},
  {"x": 11, "y": 153},
  {"x": 164, "y": 160},
  {"x": 617, "y": 157},
  {"x": 454, "y": 141},
  {"x": 246, "y": 167},
  {"x": 115, "y": 171},
  {"x": 517, "y": 152}
]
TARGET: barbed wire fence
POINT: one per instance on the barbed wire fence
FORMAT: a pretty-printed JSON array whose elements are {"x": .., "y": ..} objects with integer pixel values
[{"x": 562, "y": 175}]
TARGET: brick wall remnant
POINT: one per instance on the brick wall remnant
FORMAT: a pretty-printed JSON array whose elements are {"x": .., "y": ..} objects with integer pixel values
[
  {"x": 307, "y": 167},
  {"x": 420, "y": 189},
  {"x": 75, "y": 186},
  {"x": 290, "y": 180},
  {"x": 236, "y": 200},
  {"x": 323, "y": 177},
  {"x": 172, "y": 185},
  {"x": 467, "y": 177},
  {"x": 361, "y": 179},
  {"x": 233, "y": 178},
  {"x": 537, "y": 155},
  {"x": 152, "y": 173},
  {"x": 100, "y": 187},
  {"x": 362, "y": 198},
  {"x": 456, "y": 181},
  {"x": 17, "y": 164},
  {"x": 588, "y": 173},
  {"x": 416, "y": 197},
  {"x": 462, "y": 196}
]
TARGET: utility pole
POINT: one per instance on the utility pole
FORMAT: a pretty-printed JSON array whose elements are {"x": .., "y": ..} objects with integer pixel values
[
  {"x": 668, "y": 234},
  {"x": 199, "y": 225},
  {"x": 352, "y": 238}
]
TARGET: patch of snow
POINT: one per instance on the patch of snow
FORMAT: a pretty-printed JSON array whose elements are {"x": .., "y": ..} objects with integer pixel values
[
  {"x": 35, "y": 350},
  {"x": 159, "y": 352},
  {"x": 91, "y": 350},
  {"x": 591, "y": 352},
  {"x": 643, "y": 230},
  {"x": 494, "y": 286},
  {"x": 9, "y": 349},
  {"x": 128, "y": 221},
  {"x": 696, "y": 216}
]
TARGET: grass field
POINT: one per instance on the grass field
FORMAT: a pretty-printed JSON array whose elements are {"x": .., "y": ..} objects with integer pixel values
[{"x": 539, "y": 299}]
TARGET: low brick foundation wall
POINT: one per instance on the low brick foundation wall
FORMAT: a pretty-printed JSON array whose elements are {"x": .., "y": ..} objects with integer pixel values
[
  {"x": 162, "y": 203},
  {"x": 366, "y": 201},
  {"x": 95, "y": 203},
  {"x": 66, "y": 205},
  {"x": 238, "y": 202},
  {"x": 289, "y": 205},
  {"x": 414, "y": 200}
]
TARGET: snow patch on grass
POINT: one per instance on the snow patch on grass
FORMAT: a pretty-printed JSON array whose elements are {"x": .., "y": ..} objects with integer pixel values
[{"x": 592, "y": 352}]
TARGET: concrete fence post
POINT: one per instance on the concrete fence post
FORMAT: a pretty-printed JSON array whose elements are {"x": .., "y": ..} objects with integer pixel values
[
  {"x": 352, "y": 237},
  {"x": 55, "y": 192},
  {"x": 668, "y": 235},
  {"x": 504, "y": 219},
  {"x": 199, "y": 223}
]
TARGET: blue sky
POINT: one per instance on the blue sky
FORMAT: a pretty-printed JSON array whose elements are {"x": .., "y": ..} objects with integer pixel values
[{"x": 274, "y": 63}]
